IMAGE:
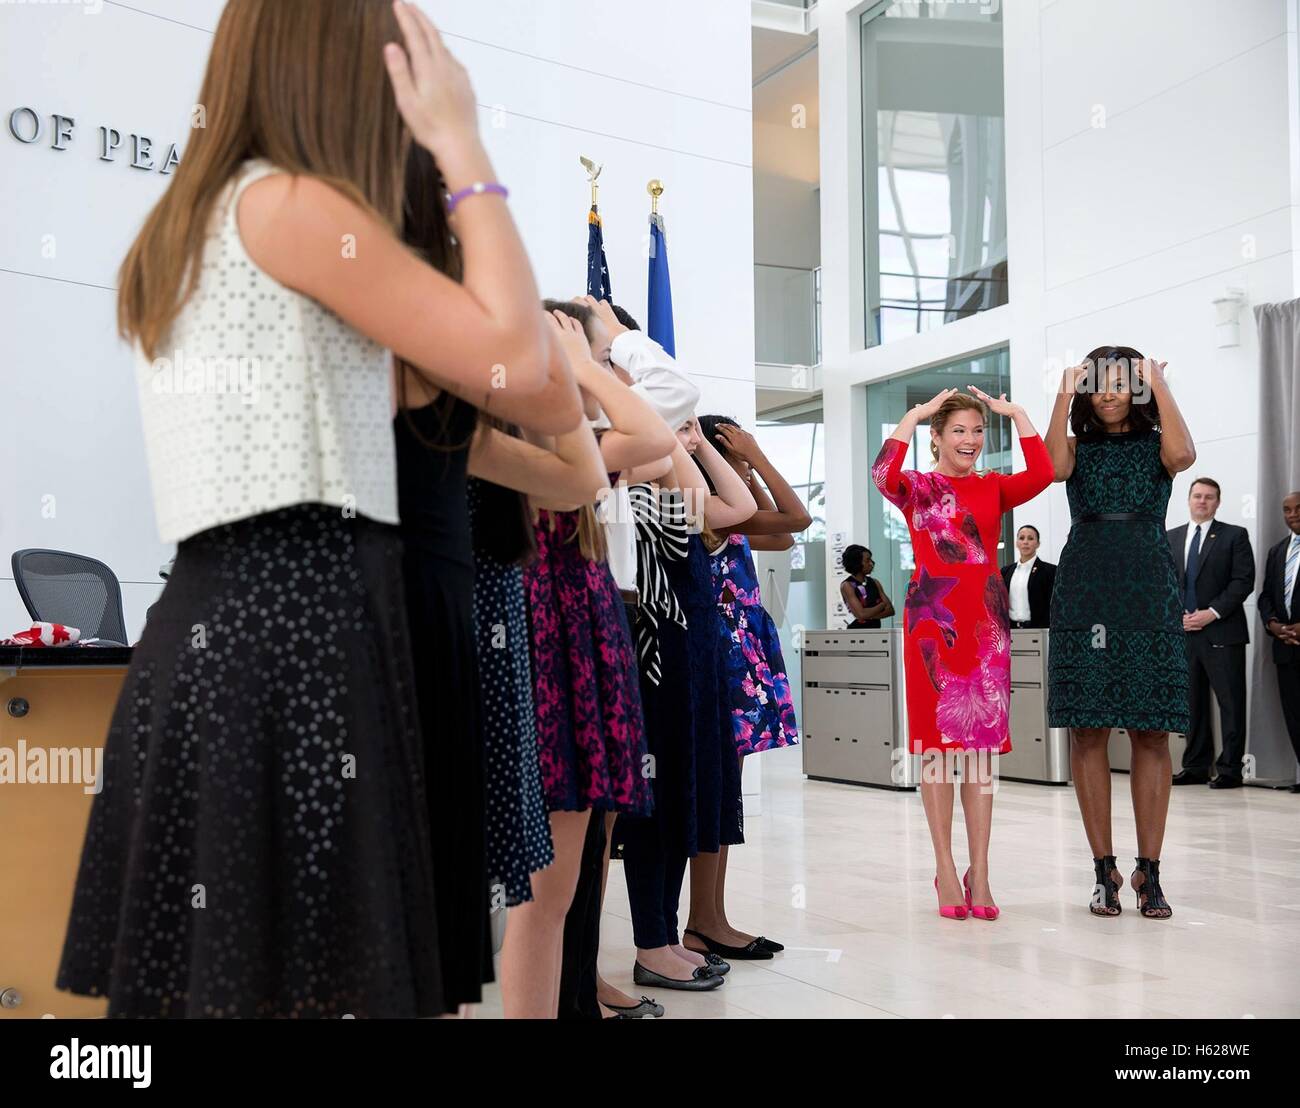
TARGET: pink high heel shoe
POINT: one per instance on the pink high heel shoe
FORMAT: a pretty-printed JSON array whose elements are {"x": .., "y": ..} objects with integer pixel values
[
  {"x": 949, "y": 911},
  {"x": 979, "y": 911}
]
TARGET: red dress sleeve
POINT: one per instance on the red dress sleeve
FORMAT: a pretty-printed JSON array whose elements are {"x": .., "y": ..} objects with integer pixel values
[
  {"x": 1017, "y": 488},
  {"x": 887, "y": 473}
]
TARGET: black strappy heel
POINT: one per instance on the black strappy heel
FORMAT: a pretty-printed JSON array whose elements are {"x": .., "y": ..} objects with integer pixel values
[
  {"x": 1151, "y": 900},
  {"x": 1105, "y": 893}
]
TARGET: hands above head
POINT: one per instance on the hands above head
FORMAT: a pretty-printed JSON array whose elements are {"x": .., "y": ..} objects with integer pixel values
[
  {"x": 1074, "y": 378},
  {"x": 1001, "y": 406},
  {"x": 604, "y": 313},
  {"x": 926, "y": 410},
  {"x": 740, "y": 444},
  {"x": 573, "y": 340},
  {"x": 433, "y": 91},
  {"x": 1150, "y": 372}
]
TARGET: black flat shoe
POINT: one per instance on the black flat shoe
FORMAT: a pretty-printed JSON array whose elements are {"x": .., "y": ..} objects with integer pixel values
[
  {"x": 751, "y": 952},
  {"x": 701, "y": 981},
  {"x": 1222, "y": 782},
  {"x": 764, "y": 943},
  {"x": 1188, "y": 778},
  {"x": 646, "y": 1007},
  {"x": 718, "y": 965}
]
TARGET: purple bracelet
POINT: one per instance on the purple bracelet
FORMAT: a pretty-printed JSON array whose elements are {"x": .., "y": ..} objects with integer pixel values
[{"x": 478, "y": 188}]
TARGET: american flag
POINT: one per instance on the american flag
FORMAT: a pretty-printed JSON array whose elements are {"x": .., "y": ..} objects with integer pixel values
[{"x": 597, "y": 268}]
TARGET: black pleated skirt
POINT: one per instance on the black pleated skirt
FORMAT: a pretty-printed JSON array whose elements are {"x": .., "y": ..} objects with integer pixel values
[{"x": 261, "y": 846}]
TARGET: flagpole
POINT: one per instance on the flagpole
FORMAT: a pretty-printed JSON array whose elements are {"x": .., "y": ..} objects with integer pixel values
[{"x": 659, "y": 307}]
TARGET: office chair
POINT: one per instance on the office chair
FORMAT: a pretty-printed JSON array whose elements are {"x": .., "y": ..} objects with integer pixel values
[{"x": 58, "y": 587}]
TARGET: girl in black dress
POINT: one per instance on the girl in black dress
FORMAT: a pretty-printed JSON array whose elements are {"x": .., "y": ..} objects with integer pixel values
[
  {"x": 437, "y": 450},
  {"x": 862, "y": 594},
  {"x": 1117, "y": 654}
]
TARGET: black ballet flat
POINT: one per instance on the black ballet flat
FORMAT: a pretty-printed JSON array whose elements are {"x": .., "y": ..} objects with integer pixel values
[
  {"x": 718, "y": 965},
  {"x": 1151, "y": 900},
  {"x": 701, "y": 981},
  {"x": 750, "y": 952},
  {"x": 764, "y": 943},
  {"x": 1105, "y": 893}
]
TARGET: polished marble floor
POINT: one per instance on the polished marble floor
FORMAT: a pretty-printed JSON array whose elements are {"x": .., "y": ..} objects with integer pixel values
[{"x": 842, "y": 876}]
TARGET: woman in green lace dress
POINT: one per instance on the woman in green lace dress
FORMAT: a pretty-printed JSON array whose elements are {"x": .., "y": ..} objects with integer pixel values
[{"x": 1117, "y": 656}]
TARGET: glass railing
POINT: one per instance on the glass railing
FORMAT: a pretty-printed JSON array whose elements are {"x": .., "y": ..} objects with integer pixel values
[{"x": 787, "y": 315}]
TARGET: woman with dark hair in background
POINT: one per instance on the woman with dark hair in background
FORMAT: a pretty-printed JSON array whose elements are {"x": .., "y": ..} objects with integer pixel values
[
  {"x": 1029, "y": 581},
  {"x": 1118, "y": 653},
  {"x": 862, "y": 595},
  {"x": 758, "y": 696}
]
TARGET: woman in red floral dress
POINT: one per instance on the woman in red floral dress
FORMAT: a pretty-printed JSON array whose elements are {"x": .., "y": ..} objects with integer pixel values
[{"x": 957, "y": 642}]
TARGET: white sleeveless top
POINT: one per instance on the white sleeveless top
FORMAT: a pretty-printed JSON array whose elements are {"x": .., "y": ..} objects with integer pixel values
[{"x": 262, "y": 398}]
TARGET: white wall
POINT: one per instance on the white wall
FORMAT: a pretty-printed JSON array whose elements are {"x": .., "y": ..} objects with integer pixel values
[
  {"x": 660, "y": 91},
  {"x": 1121, "y": 232}
]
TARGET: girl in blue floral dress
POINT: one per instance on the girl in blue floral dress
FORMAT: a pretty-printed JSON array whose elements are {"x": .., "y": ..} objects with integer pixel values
[{"x": 762, "y": 709}]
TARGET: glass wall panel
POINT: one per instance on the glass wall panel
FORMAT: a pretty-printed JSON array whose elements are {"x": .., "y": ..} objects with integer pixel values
[{"x": 934, "y": 165}]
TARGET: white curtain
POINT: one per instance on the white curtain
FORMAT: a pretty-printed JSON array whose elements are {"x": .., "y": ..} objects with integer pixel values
[{"x": 1279, "y": 474}]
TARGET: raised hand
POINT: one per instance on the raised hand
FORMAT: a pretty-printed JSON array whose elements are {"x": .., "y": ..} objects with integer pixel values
[
  {"x": 604, "y": 313},
  {"x": 1001, "y": 406},
  {"x": 1074, "y": 377},
  {"x": 740, "y": 443},
  {"x": 926, "y": 410},
  {"x": 573, "y": 341},
  {"x": 432, "y": 88},
  {"x": 1150, "y": 372}
]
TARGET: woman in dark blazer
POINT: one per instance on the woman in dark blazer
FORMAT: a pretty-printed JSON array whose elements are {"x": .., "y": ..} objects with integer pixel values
[{"x": 1042, "y": 576}]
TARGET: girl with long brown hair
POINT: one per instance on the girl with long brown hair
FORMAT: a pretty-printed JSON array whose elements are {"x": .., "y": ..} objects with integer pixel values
[{"x": 260, "y": 846}]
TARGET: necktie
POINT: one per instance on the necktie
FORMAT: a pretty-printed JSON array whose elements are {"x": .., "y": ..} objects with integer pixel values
[
  {"x": 1193, "y": 566},
  {"x": 1292, "y": 562}
]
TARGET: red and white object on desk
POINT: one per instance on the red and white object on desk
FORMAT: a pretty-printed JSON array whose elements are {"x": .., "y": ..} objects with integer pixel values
[{"x": 44, "y": 634}]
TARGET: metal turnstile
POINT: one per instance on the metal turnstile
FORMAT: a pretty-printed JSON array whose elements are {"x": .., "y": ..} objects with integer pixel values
[
  {"x": 855, "y": 709},
  {"x": 1039, "y": 754}
]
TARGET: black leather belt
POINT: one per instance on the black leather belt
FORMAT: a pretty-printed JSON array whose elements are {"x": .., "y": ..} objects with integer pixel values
[{"x": 1117, "y": 517}]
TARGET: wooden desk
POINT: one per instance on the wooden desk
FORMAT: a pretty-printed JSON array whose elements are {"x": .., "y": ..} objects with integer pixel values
[{"x": 69, "y": 693}]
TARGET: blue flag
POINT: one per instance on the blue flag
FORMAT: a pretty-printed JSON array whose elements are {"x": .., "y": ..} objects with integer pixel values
[
  {"x": 659, "y": 316},
  {"x": 597, "y": 268}
]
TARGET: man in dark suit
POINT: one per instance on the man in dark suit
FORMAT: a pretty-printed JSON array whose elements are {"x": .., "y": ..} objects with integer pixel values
[
  {"x": 1279, "y": 608},
  {"x": 1029, "y": 581},
  {"x": 1216, "y": 572}
]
